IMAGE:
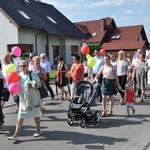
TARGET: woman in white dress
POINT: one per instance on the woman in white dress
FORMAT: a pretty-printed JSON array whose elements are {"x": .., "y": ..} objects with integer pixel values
[{"x": 23, "y": 113}]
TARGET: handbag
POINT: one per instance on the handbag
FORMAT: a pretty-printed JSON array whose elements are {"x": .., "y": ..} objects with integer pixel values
[{"x": 42, "y": 90}]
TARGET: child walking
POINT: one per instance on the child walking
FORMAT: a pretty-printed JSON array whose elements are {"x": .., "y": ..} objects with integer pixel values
[{"x": 130, "y": 97}]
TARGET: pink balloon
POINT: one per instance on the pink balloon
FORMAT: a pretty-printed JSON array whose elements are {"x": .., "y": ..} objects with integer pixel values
[
  {"x": 16, "y": 51},
  {"x": 14, "y": 88}
]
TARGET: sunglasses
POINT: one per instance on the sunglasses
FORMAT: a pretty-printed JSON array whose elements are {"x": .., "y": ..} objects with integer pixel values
[{"x": 23, "y": 65}]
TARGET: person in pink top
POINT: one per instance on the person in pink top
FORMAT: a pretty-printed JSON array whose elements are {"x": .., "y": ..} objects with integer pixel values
[
  {"x": 31, "y": 63},
  {"x": 130, "y": 97},
  {"x": 108, "y": 84}
]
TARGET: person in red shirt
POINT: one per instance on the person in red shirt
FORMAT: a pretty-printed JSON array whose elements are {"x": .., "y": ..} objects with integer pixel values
[{"x": 130, "y": 97}]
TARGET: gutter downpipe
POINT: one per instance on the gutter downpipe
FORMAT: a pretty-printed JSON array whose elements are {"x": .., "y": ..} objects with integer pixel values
[{"x": 36, "y": 41}]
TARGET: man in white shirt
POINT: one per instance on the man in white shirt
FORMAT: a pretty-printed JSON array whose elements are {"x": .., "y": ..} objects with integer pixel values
[
  {"x": 136, "y": 56},
  {"x": 46, "y": 65}
]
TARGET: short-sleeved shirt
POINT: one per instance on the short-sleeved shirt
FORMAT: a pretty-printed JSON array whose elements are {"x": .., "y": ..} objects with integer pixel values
[
  {"x": 39, "y": 70},
  {"x": 77, "y": 72},
  {"x": 121, "y": 67},
  {"x": 46, "y": 65},
  {"x": 98, "y": 65},
  {"x": 108, "y": 71},
  {"x": 130, "y": 94}
]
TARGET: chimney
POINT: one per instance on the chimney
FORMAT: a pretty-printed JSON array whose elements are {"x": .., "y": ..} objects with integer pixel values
[{"x": 102, "y": 24}]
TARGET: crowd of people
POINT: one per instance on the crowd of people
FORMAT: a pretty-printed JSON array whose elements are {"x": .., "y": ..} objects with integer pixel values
[
  {"x": 34, "y": 84},
  {"x": 123, "y": 75}
]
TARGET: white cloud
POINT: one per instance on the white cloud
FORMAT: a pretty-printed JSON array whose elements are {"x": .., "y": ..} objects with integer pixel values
[
  {"x": 82, "y": 4},
  {"x": 67, "y": 4},
  {"x": 130, "y": 11}
]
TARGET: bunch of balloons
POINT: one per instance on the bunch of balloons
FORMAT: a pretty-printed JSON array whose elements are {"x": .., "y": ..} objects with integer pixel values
[
  {"x": 12, "y": 75},
  {"x": 90, "y": 60}
]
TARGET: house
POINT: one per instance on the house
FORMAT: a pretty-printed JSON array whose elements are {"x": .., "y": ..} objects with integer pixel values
[
  {"x": 107, "y": 35},
  {"x": 38, "y": 27}
]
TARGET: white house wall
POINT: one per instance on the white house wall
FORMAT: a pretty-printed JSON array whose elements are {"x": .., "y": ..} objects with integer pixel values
[
  {"x": 65, "y": 47},
  {"x": 53, "y": 41},
  {"x": 28, "y": 36},
  {"x": 69, "y": 43},
  {"x": 8, "y": 34}
]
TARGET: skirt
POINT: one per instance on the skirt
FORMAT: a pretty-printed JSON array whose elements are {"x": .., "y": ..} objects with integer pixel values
[{"x": 108, "y": 87}]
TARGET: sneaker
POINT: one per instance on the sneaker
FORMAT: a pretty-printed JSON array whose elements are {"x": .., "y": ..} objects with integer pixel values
[
  {"x": 37, "y": 134},
  {"x": 133, "y": 111},
  {"x": 13, "y": 138}
]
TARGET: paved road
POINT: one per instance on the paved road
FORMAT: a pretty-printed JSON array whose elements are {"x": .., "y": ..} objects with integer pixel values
[{"x": 113, "y": 133}]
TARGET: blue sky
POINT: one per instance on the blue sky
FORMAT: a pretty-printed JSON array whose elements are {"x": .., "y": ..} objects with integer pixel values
[{"x": 124, "y": 12}]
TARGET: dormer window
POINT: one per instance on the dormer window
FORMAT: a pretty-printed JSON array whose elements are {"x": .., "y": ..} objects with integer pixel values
[
  {"x": 27, "y": 1},
  {"x": 24, "y": 14},
  {"x": 116, "y": 37},
  {"x": 51, "y": 19},
  {"x": 94, "y": 34},
  {"x": 113, "y": 37}
]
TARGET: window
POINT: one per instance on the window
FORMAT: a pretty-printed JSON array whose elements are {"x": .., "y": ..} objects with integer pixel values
[
  {"x": 113, "y": 37},
  {"x": 27, "y": 1},
  {"x": 116, "y": 37},
  {"x": 94, "y": 34},
  {"x": 74, "y": 50},
  {"x": 24, "y": 14},
  {"x": 55, "y": 54},
  {"x": 51, "y": 19}
]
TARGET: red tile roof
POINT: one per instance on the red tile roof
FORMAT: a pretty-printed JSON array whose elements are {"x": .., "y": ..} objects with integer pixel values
[
  {"x": 129, "y": 37},
  {"x": 94, "y": 26},
  {"x": 128, "y": 34},
  {"x": 123, "y": 45}
]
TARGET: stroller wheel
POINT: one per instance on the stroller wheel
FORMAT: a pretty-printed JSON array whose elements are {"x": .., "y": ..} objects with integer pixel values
[
  {"x": 97, "y": 116},
  {"x": 82, "y": 122},
  {"x": 71, "y": 120}
]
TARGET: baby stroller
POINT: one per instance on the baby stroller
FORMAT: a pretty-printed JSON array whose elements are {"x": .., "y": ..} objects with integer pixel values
[{"x": 79, "y": 108}]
